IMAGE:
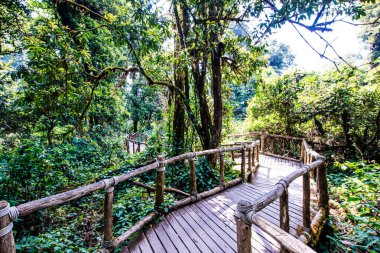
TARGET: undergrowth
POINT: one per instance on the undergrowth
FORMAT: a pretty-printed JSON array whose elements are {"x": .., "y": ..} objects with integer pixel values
[{"x": 354, "y": 208}]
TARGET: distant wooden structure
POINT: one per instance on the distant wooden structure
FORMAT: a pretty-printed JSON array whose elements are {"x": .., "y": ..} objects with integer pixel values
[
  {"x": 278, "y": 203},
  {"x": 133, "y": 143}
]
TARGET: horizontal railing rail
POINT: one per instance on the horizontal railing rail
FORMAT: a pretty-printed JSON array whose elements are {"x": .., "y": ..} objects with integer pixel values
[
  {"x": 249, "y": 150},
  {"x": 246, "y": 211}
]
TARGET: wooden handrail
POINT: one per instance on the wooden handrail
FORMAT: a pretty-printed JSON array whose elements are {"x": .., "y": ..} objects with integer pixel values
[
  {"x": 108, "y": 184},
  {"x": 245, "y": 213}
]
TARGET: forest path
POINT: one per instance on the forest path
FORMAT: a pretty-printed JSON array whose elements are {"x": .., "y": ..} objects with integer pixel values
[{"x": 209, "y": 225}]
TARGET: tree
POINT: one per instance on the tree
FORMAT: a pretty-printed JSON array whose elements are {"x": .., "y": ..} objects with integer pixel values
[{"x": 280, "y": 56}]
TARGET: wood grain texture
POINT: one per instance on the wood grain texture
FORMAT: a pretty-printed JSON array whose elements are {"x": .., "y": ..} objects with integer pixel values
[{"x": 209, "y": 225}]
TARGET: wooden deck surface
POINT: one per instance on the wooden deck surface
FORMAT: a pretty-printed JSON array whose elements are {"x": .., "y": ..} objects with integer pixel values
[{"x": 209, "y": 225}]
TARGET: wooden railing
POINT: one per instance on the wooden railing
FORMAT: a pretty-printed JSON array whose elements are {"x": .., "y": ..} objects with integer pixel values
[
  {"x": 248, "y": 150},
  {"x": 274, "y": 144},
  {"x": 133, "y": 143},
  {"x": 246, "y": 212}
]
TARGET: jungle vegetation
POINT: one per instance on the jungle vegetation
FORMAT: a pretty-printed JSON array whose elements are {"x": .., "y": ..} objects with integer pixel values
[{"x": 76, "y": 76}]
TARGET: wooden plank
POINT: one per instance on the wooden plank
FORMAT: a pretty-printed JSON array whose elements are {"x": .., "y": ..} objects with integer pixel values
[
  {"x": 174, "y": 236},
  {"x": 144, "y": 244},
  {"x": 217, "y": 235},
  {"x": 273, "y": 208},
  {"x": 164, "y": 238},
  {"x": 274, "y": 219},
  {"x": 295, "y": 205},
  {"x": 216, "y": 218},
  {"x": 264, "y": 241},
  {"x": 186, "y": 239},
  {"x": 154, "y": 241},
  {"x": 201, "y": 233},
  {"x": 191, "y": 233}
]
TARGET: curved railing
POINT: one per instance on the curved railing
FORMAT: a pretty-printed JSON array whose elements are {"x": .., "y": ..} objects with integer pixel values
[
  {"x": 246, "y": 212},
  {"x": 249, "y": 151}
]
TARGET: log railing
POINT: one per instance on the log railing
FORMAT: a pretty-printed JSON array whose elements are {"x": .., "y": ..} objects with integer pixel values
[
  {"x": 246, "y": 212},
  {"x": 134, "y": 146},
  {"x": 275, "y": 145},
  {"x": 249, "y": 150}
]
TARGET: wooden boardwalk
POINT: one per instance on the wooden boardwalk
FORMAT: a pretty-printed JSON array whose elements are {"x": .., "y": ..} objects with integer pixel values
[{"x": 209, "y": 225}]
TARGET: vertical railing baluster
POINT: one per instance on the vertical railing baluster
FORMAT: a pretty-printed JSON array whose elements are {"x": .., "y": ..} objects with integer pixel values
[
  {"x": 108, "y": 219},
  {"x": 193, "y": 176},
  {"x": 306, "y": 201},
  {"x": 221, "y": 169},
  {"x": 133, "y": 147},
  {"x": 323, "y": 196},
  {"x": 249, "y": 164},
  {"x": 242, "y": 170},
  {"x": 262, "y": 141},
  {"x": 284, "y": 214},
  {"x": 160, "y": 183}
]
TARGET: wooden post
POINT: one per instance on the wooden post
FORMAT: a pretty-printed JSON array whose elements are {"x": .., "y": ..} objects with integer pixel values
[
  {"x": 221, "y": 169},
  {"x": 160, "y": 183},
  {"x": 7, "y": 242},
  {"x": 257, "y": 156},
  {"x": 249, "y": 164},
  {"x": 138, "y": 147},
  {"x": 133, "y": 147},
  {"x": 232, "y": 156},
  {"x": 306, "y": 201},
  {"x": 284, "y": 215},
  {"x": 108, "y": 219},
  {"x": 262, "y": 140},
  {"x": 244, "y": 234},
  {"x": 127, "y": 143},
  {"x": 302, "y": 155},
  {"x": 243, "y": 229},
  {"x": 323, "y": 199},
  {"x": 242, "y": 171},
  {"x": 193, "y": 177}
]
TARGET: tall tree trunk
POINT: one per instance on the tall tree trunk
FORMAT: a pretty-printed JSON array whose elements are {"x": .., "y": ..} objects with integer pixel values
[{"x": 179, "y": 81}]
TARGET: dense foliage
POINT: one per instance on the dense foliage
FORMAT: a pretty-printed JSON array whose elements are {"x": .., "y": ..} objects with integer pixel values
[
  {"x": 354, "y": 208},
  {"x": 77, "y": 76}
]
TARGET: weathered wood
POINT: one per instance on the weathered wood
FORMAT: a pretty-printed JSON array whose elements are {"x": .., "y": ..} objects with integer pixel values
[
  {"x": 285, "y": 239},
  {"x": 138, "y": 147},
  {"x": 133, "y": 147},
  {"x": 221, "y": 169},
  {"x": 284, "y": 215},
  {"x": 306, "y": 201},
  {"x": 243, "y": 235},
  {"x": 232, "y": 155},
  {"x": 65, "y": 197},
  {"x": 323, "y": 196},
  {"x": 249, "y": 179},
  {"x": 7, "y": 243},
  {"x": 193, "y": 177},
  {"x": 160, "y": 184},
  {"x": 127, "y": 144},
  {"x": 242, "y": 170},
  {"x": 282, "y": 157},
  {"x": 137, "y": 227},
  {"x": 108, "y": 219},
  {"x": 167, "y": 189},
  {"x": 262, "y": 142}
]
